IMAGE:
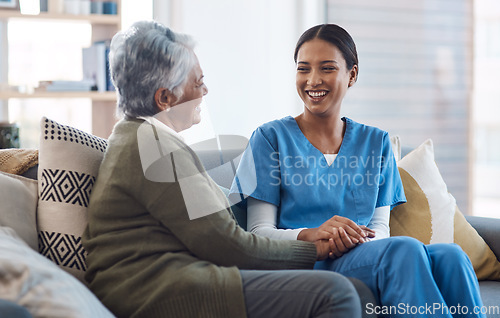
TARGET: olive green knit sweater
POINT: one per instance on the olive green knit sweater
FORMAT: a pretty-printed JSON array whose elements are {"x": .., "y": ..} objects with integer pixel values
[{"x": 146, "y": 258}]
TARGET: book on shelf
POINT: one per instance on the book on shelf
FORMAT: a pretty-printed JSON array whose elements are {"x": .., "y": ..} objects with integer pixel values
[
  {"x": 95, "y": 64},
  {"x": 109, "y": 83},
  {"x": 67, "y": 86}
]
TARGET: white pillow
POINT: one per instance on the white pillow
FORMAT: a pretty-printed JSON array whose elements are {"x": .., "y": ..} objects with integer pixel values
[
  {"x": 18, "y": 197},
  {"x": 40, "y": 286},
  {"x": 431, "y": 214},
  {"x": 69, "y": 161}
]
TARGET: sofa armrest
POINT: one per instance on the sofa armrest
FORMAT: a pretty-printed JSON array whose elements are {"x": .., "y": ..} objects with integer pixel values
[{"x": 489, "y": 229}]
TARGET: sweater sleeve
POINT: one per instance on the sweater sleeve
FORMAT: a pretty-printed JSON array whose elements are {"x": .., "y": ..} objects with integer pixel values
[{"x": 209, "y": 231}]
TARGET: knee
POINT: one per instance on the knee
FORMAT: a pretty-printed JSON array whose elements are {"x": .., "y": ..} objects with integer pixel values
[
  {"x": 339, "y": 297},
  {"x": 450, "y": 249},
  {"x": 340, "y": 289},
  {"x": 450, "y": 252},
  {"x": 404, "y": 252},
  {"x": 406, "y": 247}
]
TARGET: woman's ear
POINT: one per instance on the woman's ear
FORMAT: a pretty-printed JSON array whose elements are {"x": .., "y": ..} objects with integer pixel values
[
  {"x": 353, "y": 73},
  {"x": 164, "y": 99}
]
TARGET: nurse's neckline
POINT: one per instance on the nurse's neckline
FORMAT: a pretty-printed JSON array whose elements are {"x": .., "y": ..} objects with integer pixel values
[{"x": 345, "y": 128}]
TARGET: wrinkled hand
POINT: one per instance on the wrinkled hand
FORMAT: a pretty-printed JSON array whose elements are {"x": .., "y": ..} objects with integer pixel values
[
  {"x": 342, "y": 234},
  {"x": 336, "y": 246},
  {"x": 323, "y": 249},
  {"x": 328, "y": 229},
  {"x": 342, "y": 243}
]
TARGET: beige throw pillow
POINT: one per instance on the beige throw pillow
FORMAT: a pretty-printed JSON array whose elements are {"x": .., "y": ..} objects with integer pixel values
[{"x": 432, "y": 216}]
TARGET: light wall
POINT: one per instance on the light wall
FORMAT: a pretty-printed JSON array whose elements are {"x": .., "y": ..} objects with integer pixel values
[
  {"x": 486, "y": 114},
  {"x": 246, "y": 51}
]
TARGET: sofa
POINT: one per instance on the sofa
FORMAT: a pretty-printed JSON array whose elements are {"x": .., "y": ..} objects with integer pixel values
[{"x": 42, "y": 265}]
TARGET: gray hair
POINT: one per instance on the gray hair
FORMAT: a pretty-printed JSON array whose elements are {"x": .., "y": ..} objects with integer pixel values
[{"x": 144, "y": 58}]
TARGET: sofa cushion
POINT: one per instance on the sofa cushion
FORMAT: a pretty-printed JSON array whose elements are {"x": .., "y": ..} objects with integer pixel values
[
  {"x": 19, "y": 197},
  {"x": 35, "y": 283},
  {"x": 69, "y": 161},
  {"x": 431, "y": 214},
  {"x": 220, "y": 157},
  {"x": 490, "y": 294}
]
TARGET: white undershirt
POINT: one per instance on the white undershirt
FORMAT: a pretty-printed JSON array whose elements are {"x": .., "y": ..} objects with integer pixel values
[
  {"x": 262, "y": 219},
  {"x": 330, "y": 158}
]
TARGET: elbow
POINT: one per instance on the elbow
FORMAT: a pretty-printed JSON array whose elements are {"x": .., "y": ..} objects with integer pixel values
[
  {"x": 256, "y": 230},
  {"x": 262, "y": 230}
]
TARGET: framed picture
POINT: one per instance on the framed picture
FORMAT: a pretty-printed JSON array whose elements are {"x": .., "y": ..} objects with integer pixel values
[{"x": 8, "y": 4}]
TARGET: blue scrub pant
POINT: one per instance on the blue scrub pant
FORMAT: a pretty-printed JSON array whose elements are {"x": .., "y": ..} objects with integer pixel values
[{"x": 410, "y": 279}]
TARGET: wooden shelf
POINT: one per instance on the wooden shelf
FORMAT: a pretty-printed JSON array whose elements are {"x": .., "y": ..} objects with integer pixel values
[
  {"x": 94, "y": 96},
  {"x": 104, "y": 27},
  {"x": 111, "y": 19}
]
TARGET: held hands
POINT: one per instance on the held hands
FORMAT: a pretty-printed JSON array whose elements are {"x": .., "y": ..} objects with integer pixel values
[
  {"x": 339, "y": 234},
  {"x": 323, "y": 248}
]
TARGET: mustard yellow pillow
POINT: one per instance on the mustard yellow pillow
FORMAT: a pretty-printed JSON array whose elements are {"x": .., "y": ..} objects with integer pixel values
[{"x": 431, "y": 214}]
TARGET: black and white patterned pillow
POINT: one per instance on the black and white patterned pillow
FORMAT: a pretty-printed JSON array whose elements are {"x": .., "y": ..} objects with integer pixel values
[{"x": 69, "y": 161}]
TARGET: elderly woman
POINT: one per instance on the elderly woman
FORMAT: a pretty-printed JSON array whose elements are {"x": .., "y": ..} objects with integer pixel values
[{"x": 148, "y": 256}]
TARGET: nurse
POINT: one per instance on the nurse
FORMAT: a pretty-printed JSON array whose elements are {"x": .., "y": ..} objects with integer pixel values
[{"x": 321, "y": 176}]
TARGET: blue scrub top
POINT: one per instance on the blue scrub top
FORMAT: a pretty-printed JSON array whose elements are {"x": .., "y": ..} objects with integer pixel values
[{"x": 282, "y": 167}]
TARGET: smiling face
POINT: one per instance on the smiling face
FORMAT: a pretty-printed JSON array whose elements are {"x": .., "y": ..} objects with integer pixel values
[
  {"x": 322, "y": 77},
  {"x": 180, "y": 113},
  {"x": 187, "y": 107}
]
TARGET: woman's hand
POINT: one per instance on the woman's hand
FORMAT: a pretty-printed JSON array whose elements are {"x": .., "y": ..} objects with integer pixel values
[
  {"x": 341, "y": 243},
  {"x": 356, "y": 232},
  {"x": 327, "y": 230},
  {"x": 369, "y": 232},
  {"x": 337, "y": 245},
  {"x": 343, "y": 233},
  {"x": 323, "y": 249}
]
